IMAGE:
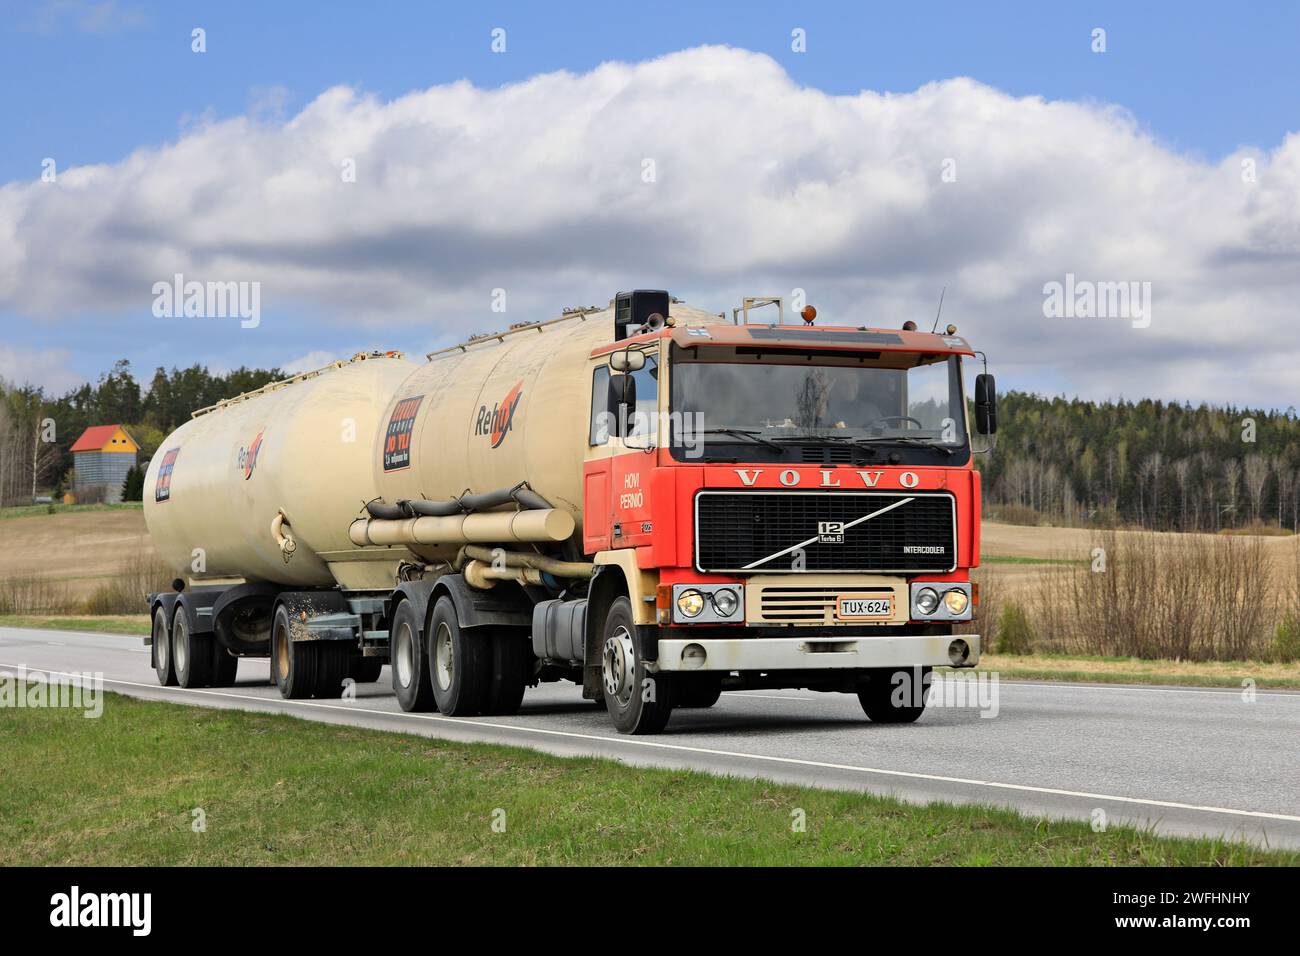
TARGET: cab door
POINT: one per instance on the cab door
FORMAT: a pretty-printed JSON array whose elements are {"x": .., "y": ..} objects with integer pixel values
[{"x": 616, "y": 476}]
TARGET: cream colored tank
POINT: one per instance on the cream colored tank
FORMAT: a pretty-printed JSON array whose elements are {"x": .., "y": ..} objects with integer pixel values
[
  {"x": 500, "y": 411},
  {"x": 482, "y": 417},
  {"x": 215, "y": 487}
]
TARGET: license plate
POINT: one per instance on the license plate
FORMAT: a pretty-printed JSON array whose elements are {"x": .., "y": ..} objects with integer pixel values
[{"x": 866, "y": 607}]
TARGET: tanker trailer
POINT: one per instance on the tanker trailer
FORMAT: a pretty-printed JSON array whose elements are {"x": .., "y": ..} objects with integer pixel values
[{"x": 645, "y": 499}]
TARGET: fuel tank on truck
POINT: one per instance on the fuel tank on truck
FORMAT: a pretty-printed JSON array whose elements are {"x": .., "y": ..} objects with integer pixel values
[
  {"x": 499, "y": 410},
  {"x": 216, "y": 488}
]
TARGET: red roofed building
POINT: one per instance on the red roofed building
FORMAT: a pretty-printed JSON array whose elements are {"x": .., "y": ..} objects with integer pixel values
[{"x": 102, "y": 457}]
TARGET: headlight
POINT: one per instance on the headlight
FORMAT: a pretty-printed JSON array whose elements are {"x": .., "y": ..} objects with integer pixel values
[
  {"x": 724, "y": 602},
  {"x": 927, "y": 600},
  {"x": 955, "y": 601},
  {"x": 690, "y": 603}
]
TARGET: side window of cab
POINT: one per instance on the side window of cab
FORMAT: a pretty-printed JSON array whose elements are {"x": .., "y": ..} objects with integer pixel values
[{"x": 599, "y": 429}]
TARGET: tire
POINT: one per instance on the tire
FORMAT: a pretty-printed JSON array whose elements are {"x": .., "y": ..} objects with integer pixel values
[
  {"x": 191, "y": 653},
  {"x": 460, "y": 663},
  {"x": 638, "y": 702},
  {"x": 880, "y": 696},
  {"x": 365, "y": 670},
  {"x": 162, "y": 649},
  {"x": 512, "y": 657},
  {"x": 698, "y": 690},
  {"x": 224, "y": 665},
  {"x": 411, "y": 680},
  {"x": 306, "y": 668}
]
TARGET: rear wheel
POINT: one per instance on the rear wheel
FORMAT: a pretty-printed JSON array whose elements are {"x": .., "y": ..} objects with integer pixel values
[
  {"x": 365, "y": 670},
  {"x": 191, "y": 653},
  {"x": 224, "y": 665},
  {"x": 162, "y": 649},
  {"x": 460, "y": 663},
  {"x": 306, "y": 668},
  {"x": 411, "y": 680},
  {"x": 638, "y": 702},
  {"x": 697, "y": 690},
  {"x": 511, "y": 656},
  {"x": 895, "y": 696}
]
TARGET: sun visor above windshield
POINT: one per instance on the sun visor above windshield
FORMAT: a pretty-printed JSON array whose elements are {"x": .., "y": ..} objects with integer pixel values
[{"x": 794, "y": 336}]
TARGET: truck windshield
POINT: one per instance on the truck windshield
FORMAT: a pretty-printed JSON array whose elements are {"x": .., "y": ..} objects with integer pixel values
[{"x": 905, "y": 406}]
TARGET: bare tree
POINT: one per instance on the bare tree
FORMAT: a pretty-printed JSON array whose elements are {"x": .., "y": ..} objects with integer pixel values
[
  {"x": 1256, "y": 474},
  {"x": 1231, "y": 477}
]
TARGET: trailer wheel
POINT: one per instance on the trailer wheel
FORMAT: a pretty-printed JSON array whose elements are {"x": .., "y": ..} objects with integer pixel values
[
  {"x": 365, "y": 670},
  {"x": 224, "y": 665},
  {"x": 162, "y": 649},
  {"x": 886, "y": 700},
  {"x": 697, "y": 690},
  {"x": 638, "y": 702},
  {"x": 512, "y": 654},
  {"x": 411, "y": 679},
  {"x": 460, "y": 664},
  {"x": 191, "y": 653},
  {"x": 306, "y": 668}
]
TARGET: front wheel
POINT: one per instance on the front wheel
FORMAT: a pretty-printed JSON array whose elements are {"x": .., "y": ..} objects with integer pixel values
[
  {"x": 698, "y": 690},
  {"x": 638, "y": 702},
  {"x": 895, "y": 696}
]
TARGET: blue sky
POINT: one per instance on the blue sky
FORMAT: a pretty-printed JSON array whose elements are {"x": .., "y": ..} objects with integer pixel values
[
  {"x": 1204, "y": 77},
  {"x": 92, "y": 82}
]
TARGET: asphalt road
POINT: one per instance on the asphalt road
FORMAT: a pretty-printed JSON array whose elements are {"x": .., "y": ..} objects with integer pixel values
[{"x": 1180, "y": 760}]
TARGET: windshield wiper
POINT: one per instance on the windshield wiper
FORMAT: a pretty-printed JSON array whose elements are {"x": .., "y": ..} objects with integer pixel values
[
  {"x": 904, "y": 440},
  {"x": 742, "y": 433}
]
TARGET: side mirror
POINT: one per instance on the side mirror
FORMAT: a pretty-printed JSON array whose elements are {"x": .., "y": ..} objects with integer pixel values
[
  {"x": 621, "y": 402},
  {"x": 986, "y": 405},
  {"x": 627, "y": 361}
]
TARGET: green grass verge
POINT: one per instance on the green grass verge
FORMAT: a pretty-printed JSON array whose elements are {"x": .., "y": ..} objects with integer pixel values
[
  {"x": 1084, "y": 676},
  {"x": 25, "y": 511},
  {"x": 123, "y": 789},
  {"x": 105, "y": 625}
]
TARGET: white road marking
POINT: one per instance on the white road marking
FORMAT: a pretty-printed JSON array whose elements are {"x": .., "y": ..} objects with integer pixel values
[{"x": 706, "y": 751}]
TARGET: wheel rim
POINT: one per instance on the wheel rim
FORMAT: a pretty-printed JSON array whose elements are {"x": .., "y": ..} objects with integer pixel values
[
  {"x": 618, "y": 665},
  {"x": 404, "y": 656},
  {"x": 444, "y": 657},
  {"x": 282, "y": 654},
  {"x": 160, "y": 641},
  {"x": 179, "y": 650}
]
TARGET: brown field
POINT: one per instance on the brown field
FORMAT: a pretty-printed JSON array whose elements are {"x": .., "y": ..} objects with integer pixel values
[
  {"x": 80, "y": 549},
  {"x": 76, "y": 561}
]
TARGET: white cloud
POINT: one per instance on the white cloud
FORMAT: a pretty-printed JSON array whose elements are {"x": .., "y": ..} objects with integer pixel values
[
  {"x": 41, "y": 367},
  {"x": 309, "y": 362},
  {"x": 760, "y": 186}
]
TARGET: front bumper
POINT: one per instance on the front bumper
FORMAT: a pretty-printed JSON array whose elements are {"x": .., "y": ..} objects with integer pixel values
[{"x": 812, "y": 653}]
